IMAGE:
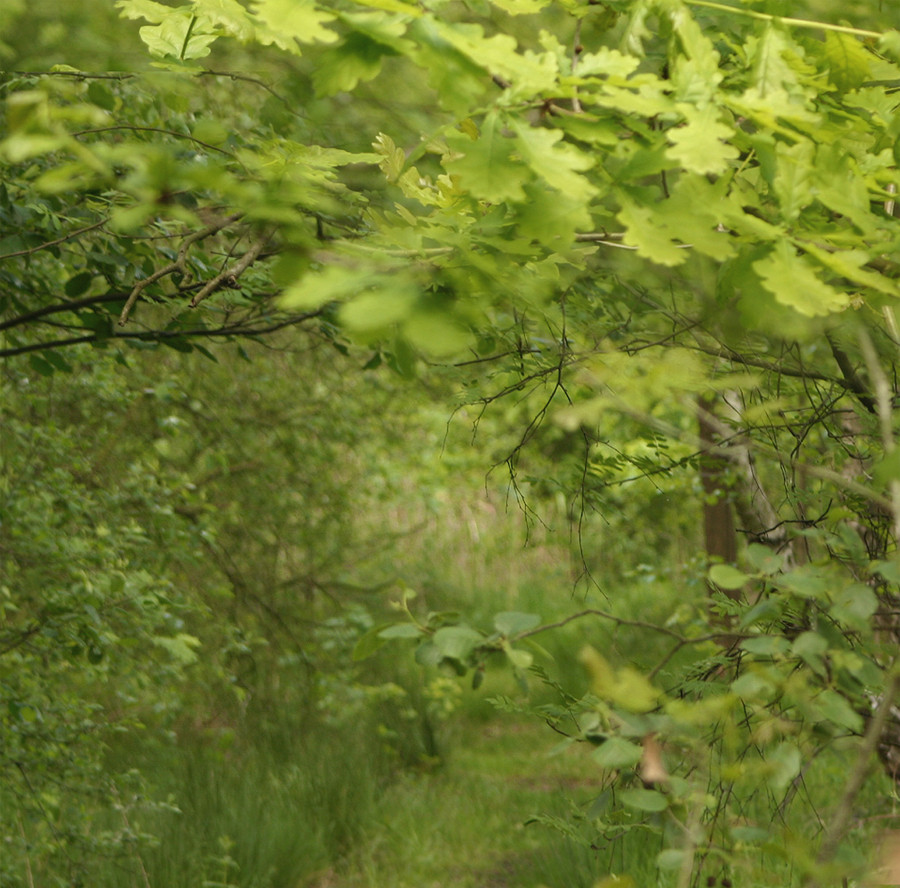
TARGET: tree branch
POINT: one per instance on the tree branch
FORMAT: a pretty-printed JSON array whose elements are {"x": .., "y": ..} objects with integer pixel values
[
  {"x": 176, "y": 265},
  {"x": 53, "y": 243},
  {"x": 241, "y": 328},
  {"x": 230, "y": 275}
]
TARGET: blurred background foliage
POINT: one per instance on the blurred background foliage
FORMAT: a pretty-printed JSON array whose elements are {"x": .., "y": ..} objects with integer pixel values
[{"x": 192, "y": 545}]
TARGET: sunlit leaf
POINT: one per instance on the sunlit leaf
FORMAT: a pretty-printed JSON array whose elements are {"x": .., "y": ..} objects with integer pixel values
[
  {"x": 287, "y": 23},
  {"x": 793, "y": 280},
  {"x": 699, "y": 145}
]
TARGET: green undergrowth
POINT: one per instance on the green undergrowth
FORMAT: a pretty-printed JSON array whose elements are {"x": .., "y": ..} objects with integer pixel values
[
  {"x": 340, "y": 810},
  {"x": 295, "y": 804}
]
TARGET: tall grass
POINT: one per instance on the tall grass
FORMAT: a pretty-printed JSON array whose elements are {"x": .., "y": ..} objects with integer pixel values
[{"x": 270, "y": 812}]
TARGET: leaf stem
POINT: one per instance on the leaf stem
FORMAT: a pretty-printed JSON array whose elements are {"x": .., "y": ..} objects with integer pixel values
[
  {"x": 187, "y": 37},
  {"x": 785, "y": 20}
]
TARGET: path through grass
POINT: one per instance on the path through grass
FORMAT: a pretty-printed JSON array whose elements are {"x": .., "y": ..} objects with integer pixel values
[{"x": 463, "y": 824}]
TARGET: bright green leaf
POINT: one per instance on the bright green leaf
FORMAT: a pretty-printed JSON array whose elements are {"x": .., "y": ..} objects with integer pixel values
[
  {"x": 286, "y": 23},
  {"x": 700, "y": 145},
  {"x": 488, "y": 166},
  {"x": 848, "y": 62},
  {"x": 514, "y": 622},
  {"x": 457, "y": 642},
  {"x": 766, "y": 645},
  {"x": 794, "y": 282},
  {"x": 644, "y": 799},
  {"x": 727, "y": 577},
  {"x": 400, "y": 630},
  {"x": 617, "y": 752}
]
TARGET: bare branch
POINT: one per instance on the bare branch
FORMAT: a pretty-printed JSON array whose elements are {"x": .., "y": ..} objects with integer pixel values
[
  {"x": 230, "y": 275},
  {"x": 53, "y": 243},
  {"x": 177, "y": 265}
]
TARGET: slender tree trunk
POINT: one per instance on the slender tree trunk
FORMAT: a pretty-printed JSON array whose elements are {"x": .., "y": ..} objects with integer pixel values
[{"x": 719, "y": 530}]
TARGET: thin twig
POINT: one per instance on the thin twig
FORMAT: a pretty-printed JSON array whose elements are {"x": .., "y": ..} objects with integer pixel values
[
  {"x": 151, "y": 129},
  {"x": 786, "y": 20},
  {"x": 245, "y": 328},
  {"x": 596, "y": 612},
  {"x": 577, "y": 49},
  {"x": 53, "y": 243},
  {"x": 176, "y": 265},
  {"x": 230, "y": 275}
]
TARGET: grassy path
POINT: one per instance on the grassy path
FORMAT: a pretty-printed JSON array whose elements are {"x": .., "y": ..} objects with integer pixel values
[{"x": 463, "y": 825}]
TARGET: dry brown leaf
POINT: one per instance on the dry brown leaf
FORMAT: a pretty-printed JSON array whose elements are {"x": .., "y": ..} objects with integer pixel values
[
  {"x": 652, "y": 768},
  {"x": 888, "y": 871}
]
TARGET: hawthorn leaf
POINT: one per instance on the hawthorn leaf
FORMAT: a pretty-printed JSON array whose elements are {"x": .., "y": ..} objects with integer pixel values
[
  {"x": 768, "y": 111},
  {"x": 647, "y": 236},
  {"x": 767, "y": 54},
  {"x": 228, "y": 15},
  {"x": 488, "y": 165},
  {"x": 550, "y": 217},
  {"x": 694, "y": 42},
  {"x": 848, "y": 264},
  {"x": 794, "y": 282},
  {"x": 459, "y": 82},
  {"x": 558, "y": 164},
  {"x": 392, "y": 6},
  {"x": 695, "y": 213},
  {"x": 648, "y": 99},
  {"x": 636, "y": 29},
  {"x": 693, "y": 83},
  {"x": 146, "y": 9},
  {"x": 848, "y": 63},
  {"x": 285, "y": 23},
  {"x": 178, "y": 36},
  {"x": 699, "y": 145},
  {"x": 609, "y": 62},
  {"x": 840, "y": 186},
  {"x": 358, "y": 58},
  {"x": 695, "y": 74},
  {"x": 529, "y": 73},
  {"x": 393, "y": 159},
  {"x": 793, "y": 183}
]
